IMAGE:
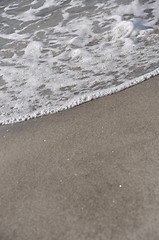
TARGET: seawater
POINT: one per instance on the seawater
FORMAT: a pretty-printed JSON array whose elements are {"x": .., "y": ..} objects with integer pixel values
[{"x": 55, "y": 54}]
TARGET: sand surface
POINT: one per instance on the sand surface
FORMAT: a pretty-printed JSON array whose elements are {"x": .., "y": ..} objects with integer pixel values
[{"x": 89, "y": 173}]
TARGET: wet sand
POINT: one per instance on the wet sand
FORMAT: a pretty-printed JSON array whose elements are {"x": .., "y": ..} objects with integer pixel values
[{"x": 88, "y": 173}]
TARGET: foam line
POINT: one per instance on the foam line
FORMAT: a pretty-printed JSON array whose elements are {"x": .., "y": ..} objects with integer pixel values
[{"x": 83, "y": 99}]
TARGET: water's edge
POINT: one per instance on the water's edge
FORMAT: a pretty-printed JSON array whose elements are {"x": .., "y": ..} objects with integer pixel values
[{"x": 83, "y": 99}]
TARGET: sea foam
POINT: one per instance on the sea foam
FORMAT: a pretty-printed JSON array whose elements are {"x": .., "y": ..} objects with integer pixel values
[{"x": 58, "y": 54}]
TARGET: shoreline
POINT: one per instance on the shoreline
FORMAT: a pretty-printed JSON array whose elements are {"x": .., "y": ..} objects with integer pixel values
[
  {"x": 90, "y": 172},
  {"x": 83, "y": 99}
]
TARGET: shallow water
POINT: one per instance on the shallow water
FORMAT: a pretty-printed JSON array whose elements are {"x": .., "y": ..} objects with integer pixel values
[{"x": 56, "y": 54}]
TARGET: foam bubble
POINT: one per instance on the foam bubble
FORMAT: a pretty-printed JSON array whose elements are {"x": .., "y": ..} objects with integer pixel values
[
  {"x": 123, "y": 29},
  {"x": 33, "y": 49}
]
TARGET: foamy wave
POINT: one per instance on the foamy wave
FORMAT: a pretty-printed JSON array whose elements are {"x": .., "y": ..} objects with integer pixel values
[
  {"x": 82, "y": 99},
  {"x": 58, "y": 54}
]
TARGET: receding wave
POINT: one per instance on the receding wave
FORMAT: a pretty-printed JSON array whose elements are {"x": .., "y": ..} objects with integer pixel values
[{"x": 58, "y": 54}]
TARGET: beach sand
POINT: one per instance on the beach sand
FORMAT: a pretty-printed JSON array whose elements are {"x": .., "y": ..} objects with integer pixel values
[{"x": 88, "y": 173}]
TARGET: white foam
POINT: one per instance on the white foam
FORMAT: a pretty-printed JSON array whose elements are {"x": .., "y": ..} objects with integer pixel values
[
  {"x": 84, "y": 98},
  {"x": 155, "y": 11},
  {"x": 123, "y": 29},
  {"x": 71, "y": 52},
  {"x": 134, "y": 8},
  {"x": 33, "y": 49},
  {"x": 14, "y": 36},
  {"x": 48, "y": 3}
]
